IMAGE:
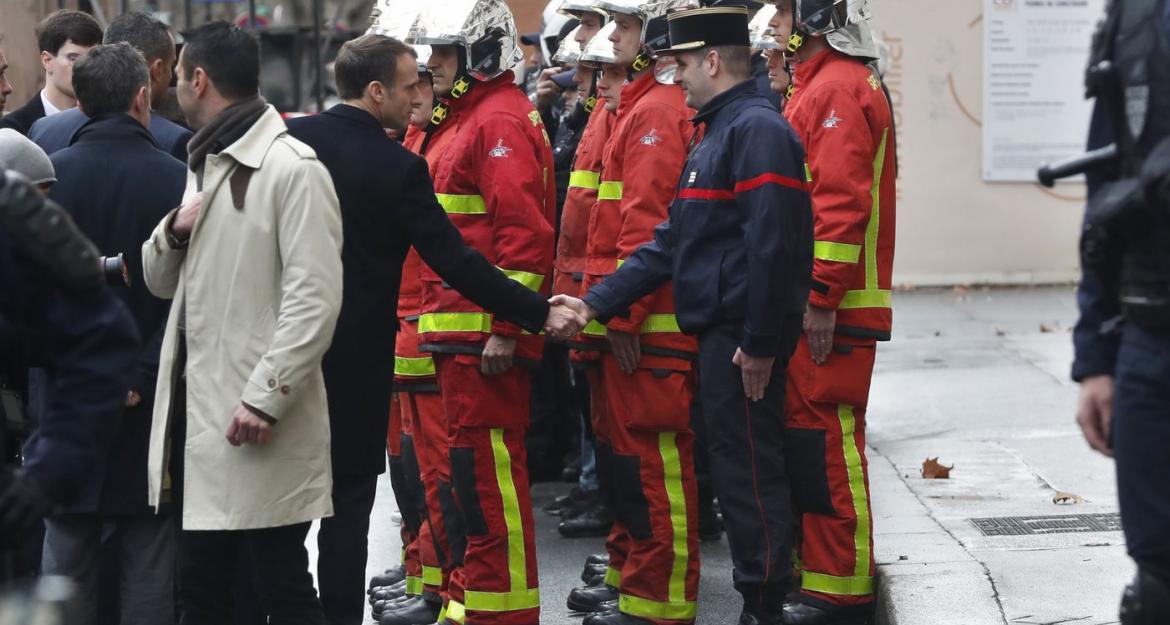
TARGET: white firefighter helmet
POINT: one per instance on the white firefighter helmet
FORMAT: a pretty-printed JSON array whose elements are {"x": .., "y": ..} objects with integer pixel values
[
  {"x": 855, "y": 40},
  {"x": 550, "y": 35},
  {"x": 484, "y": 29},
  {"x": 569, "y": 53},
  {"x": 599, "y": 50},
  {"x": 651, "y": 12},
  {"x": 759, "y": 31},
  {"x": 394, "y": 18},
  {"x": 423, "y": 56},
  {"x": 574, "y": 8},
  {"x": 826, "y": 17}
]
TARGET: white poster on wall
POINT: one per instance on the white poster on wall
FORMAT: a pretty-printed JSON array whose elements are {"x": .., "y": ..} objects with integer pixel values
[{"x": 1034, "y": 57}]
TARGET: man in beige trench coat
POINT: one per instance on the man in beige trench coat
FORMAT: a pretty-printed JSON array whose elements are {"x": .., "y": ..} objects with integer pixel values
[{"x": 240, "y": 436}]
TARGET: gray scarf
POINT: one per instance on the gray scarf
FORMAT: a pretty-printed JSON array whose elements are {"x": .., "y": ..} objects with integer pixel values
[{"x": 233, "y": 120}]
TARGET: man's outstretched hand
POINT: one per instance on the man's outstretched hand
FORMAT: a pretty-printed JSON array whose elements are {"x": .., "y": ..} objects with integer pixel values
[{"x": 567, "y": 316}]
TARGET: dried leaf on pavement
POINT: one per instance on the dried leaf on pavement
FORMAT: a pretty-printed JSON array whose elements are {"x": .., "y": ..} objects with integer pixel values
[
  {"x": 932, "y": 470},
  {"x": 1046, "y": 329},
  {"x": 1066, "y": 499}
]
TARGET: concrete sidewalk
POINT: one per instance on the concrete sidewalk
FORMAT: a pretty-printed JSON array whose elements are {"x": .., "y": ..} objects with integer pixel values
[{"x": 979, "y": 379}]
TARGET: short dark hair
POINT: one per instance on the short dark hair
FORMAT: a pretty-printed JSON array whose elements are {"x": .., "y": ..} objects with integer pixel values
[
  {"x": 108, "y": 77},
  {"x": 67, "y": 25},
  {"x": 229, "y": 55},
  {"x": 148, "y": 35},
  {"x": 367, "y": 59},
  {"x": 737, "y": 59}
]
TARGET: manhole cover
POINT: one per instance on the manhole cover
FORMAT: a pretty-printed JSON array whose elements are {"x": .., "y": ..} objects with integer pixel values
[{"x": 1061, "y": 524}]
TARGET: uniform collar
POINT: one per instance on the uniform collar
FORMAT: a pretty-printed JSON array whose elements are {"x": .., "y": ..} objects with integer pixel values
[
  {"x": 251, "y": 148},
  {"x": 113, "y": 127},
  {"x": 804, "y": 71},
  {"x": 710, "y": 110},
  {"x": 481, "y": 90},
  {"x": 633, "y": 91}
]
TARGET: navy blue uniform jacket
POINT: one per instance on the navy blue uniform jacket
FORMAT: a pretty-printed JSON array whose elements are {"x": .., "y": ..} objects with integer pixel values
[
  {"x": 57, "y": 132},
  {"x": 739, "y": 241},
  {"x": 388, "y": 204}
]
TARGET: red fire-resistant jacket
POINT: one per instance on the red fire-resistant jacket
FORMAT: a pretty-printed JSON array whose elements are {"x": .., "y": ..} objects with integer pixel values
[
  {"x": 495, "y": 179},
  {"x": 843, "y": 117},
  {"x": 639, "y": 175},
  {"x": 584, "y": 181}
]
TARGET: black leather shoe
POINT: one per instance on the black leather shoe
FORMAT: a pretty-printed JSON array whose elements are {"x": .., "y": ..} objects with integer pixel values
[
  {"x": 593, "y": 580},
  {"x": 560, "y": 504},
  {"x": 710, "y": 525},
  {"x": 593, "y": 570},
  {"x": 800, "y": 613},
  {"x": 389, "y": 578},
  {"x": 607, "y": 608},
  {"x": 613, "y": 618},
  {"x": 586, "y": 501},
  {"x": 750, "y": 618},
  {"x": 416, "y": 612},
  {"x": 597, "y": 558},
  {"x": 593, "y": 522},
  {"x": 385, "y": 593},
  {"x": 591, "y": 598}
]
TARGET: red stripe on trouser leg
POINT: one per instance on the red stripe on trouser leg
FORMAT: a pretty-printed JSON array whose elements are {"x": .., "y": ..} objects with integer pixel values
[
  {"x": 617, "y": 544},
  {"x": 430, "y": 444},
  {"x": 497, "y": 584},
  {"x": 836, "y": 546},
  {"x": 650, "y": 422}
]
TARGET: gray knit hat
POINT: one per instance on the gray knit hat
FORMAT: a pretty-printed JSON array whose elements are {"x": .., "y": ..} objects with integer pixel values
[{"x": 25, "y": 157}]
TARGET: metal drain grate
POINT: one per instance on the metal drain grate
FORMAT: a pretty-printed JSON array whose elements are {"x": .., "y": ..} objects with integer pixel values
[{"x": 1038, "y": 525}]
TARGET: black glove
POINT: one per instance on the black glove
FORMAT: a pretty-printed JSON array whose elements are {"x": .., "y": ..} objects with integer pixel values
[{"x": 23, "y": 501}]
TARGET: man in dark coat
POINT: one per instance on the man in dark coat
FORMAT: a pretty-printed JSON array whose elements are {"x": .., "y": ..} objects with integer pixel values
[
  {"x": 118, "y": 185},
  {"x": 387, "y": 204},
  {"x": 62, "y": 37},
  {"x": 153, "y": 39}
]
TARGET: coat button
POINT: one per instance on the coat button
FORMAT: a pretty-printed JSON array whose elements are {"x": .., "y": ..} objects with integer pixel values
[
  {"x": 271, "y": 383},
  {"x": 284, "y": 389}
]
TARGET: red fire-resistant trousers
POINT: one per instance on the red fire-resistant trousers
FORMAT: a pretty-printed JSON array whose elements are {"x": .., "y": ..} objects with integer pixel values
[
  {"x": 429, "y": 424},
  {"x": 617, "y": 543}
]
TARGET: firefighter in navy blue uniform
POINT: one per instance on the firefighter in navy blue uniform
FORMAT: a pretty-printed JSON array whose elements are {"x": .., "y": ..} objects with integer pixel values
[
  {"x": 1122, "y": 339},
  {"x": 738, "y": 245},
  {"x": 52, "y": 293}
]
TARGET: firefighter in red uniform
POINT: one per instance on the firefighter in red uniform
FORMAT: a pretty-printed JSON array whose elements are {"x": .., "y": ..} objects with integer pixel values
[
  {"x": 494, "y": 176},
  {"x": 646, "y": 365},
  {"x": 840, "y": 111}
]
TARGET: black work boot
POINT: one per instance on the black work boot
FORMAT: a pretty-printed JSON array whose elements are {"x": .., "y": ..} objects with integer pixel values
[
  {"x": 593, "y": 570},
  {"x": 385, "y": 593},
  {"x": 710, "y": 525},
  {"x": 613, "y": 618},
  {"x": 597, "y": 558},
  {"x": 804, "y": 613},
  {"x": 389, "y": 578},
  {"x": 417, "y": 611},
  {"x": 592, "y": 522},
  {"x": 591, "y": 598},
  {"x": 560, "y": 504}
]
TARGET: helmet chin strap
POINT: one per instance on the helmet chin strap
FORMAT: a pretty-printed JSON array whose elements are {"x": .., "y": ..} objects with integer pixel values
[
  {"x": 462, "y": 85},
  {"x": 642, "y": 62},
  {"x": 591, "y": 101}
]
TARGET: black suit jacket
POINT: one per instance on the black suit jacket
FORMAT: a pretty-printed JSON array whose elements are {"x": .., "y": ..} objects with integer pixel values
[
  {"x": 21, "y": 120},
  {"x": 388, "y": 204},
  {"x": 117, "y": 184}
]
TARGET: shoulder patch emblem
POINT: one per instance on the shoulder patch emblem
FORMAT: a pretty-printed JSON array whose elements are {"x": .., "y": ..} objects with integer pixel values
[
  {"x": 534, "y": 117},
  {"x": 874, "y": 83},
  {"x": 651, "y": 138},
  {"x": 501, "y": 150},
  {"x": 832, "y": 121}
]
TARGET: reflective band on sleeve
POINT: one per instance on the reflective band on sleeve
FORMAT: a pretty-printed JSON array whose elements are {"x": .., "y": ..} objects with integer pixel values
[
  {"x": 866, "y": 299},
  {"x": 531, "y": 280},
  {"x": 831, "y": 585},
  {"x": 613, "y": 577},
  {"x": 432, "y": 575},
  {"x": 610, "y": 191},
  {"x": 414, "y": 367},
  {"x": 584, "y": 179},
  {"x": 501, "y": 601},
  {"x": 660, "y": 323},
  {"x": 645, "y": 608},
  {"x": 455, "y": 322},
  {"x": 593, "y": 328},
  {"x": 672, "y": 479},
  {"x": 837, "y": 252},
  {"x": 414, "y": 585},
  {"x": 462, "y": 204}
]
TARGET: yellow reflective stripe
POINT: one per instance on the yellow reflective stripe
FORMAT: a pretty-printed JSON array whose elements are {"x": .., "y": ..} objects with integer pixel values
[
  {"x": 613, "y": 577},
  {"x": 502, "y": 601},
  {"x": 455, "y": 322},
  {"x": 871, "y": 230},
  {"x": 517, "y": 564},
  {"x": 413, "y": 367},
  {"x": 807, "y": 173},
  {"x": 414, "y": 585},
  {"x": 853, "y": 466},
  {"x": 584, "y": 179},
  {"x": 672, "y": 478},
  {"x": 531, "y": 280},
  {"x": 594, "y": 329},
  {"x": 836, "y": 252},
  {"x": 432, "y": 575},
  {"x": 462, "y": 204},
  {"x": 454, "y": 612},
  {"x": 645, "y": 608},
  {"x": 620, "y": 262},
  {"x": 659, "y": 323},
  {"x": 866, "y": 299},
  {"x": 610, "y": 190},
  {"x": 831, "y": 585}
]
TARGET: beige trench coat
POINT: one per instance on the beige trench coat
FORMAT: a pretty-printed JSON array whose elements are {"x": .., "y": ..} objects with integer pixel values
[{"x": 262, "y": 289}]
